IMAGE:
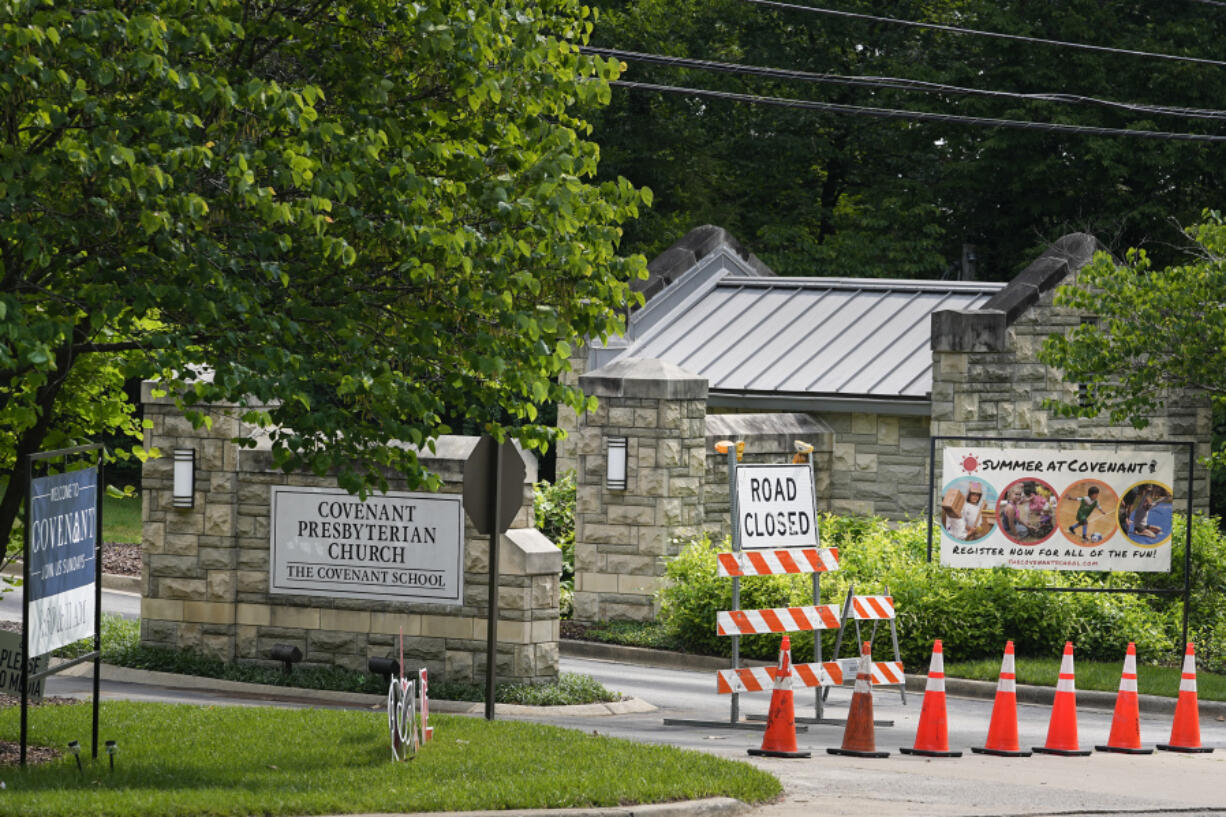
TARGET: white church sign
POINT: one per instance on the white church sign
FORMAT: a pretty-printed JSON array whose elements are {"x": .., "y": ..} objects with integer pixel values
[{"x": 394, "y": 546}]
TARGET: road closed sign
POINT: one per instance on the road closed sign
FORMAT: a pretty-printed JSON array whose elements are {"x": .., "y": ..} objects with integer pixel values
[{"x": 776, "y": 506}]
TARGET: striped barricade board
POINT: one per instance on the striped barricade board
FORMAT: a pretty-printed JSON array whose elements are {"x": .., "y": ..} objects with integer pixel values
[
  {"x": 762, "y": 679},
  {"x": 827, "y": 673},
  {"x": 777, "y": 620},
  {"x": 772, "y": 562},
  {"x": 882, "y": 673},
  {"x": 869, "y": 608}
]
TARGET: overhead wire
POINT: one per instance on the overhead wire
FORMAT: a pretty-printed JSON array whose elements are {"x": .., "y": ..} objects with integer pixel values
[
  {"x": 894, "y": 83},
  {"x": 976, "y": 32},
  {"x": 918, "y": 116}
]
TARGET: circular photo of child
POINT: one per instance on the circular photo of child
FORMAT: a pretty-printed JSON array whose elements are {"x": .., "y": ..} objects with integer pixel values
[
  {"x": 1086, "y": 513},
  {"x": 1145, "y": 514},
  {"x": 1026, "y": 511},
  {"x": 968, "y": 509}
]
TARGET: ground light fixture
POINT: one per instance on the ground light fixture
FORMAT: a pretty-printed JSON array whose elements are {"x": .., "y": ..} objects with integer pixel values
[
  {"x": 75, "y": 747},
  {"x": 184, "y": 489},
  {"x": 387, "y": 667},
  {"x": 615, "y": 474},
  {"x": 111, "y": 749},
  {"x": 287, "y": 654}
]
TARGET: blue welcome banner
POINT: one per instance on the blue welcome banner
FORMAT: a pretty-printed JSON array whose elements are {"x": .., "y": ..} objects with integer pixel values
[{"x": 63, "y": 547}]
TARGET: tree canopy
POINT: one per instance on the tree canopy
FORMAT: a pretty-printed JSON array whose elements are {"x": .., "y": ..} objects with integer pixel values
[
  {"x": 351, "y": 219},
  {"x": 1159, "y": 331},
  {"x": 815, "y": 193}
]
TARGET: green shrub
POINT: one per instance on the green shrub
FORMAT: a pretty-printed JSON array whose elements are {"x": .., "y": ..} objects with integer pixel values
[
  {"x": 554, "y": 507},
  {"x": 973, "y": 611}
]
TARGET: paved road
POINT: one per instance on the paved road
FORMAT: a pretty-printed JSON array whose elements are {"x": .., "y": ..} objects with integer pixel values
[
  {"x": 899, "y": 786},
  {"x": 902, "y": 785},
  {"x": 113, "y": 601}
]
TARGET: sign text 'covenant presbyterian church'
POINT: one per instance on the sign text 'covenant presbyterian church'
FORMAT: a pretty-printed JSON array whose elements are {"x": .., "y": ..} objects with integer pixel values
[{"x": 396, "y": 546}]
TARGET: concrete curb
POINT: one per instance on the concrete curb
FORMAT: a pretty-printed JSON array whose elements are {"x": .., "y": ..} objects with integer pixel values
[
  {"x": 958, "y": 687},
  {"x": 170, "y": 680},
  {"x": 710, "y": 807}
]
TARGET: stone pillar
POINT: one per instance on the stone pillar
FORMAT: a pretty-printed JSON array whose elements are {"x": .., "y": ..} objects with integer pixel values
[
  {"x": 190, "y": 554},
  {"x": 623, "y": 538}
]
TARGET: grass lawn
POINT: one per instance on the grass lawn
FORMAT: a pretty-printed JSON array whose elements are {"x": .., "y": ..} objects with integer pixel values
[
  {"x": 1092, "y": 675},
  {"x": 194, "y": 760},
  {"x": 121, "y": 519}
]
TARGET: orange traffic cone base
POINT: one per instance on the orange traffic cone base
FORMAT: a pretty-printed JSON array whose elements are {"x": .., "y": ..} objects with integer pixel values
[
  {"x": 1124, "y": 750},
  {"x": 907, "y": 750},
  {"x": 857, "y": 753},
  {"x": 772, "y": 753},
  {"x": 1043, "y": 750},
  {"x": 1166, "y": 747},
  {"x": 983, "y": 750}
]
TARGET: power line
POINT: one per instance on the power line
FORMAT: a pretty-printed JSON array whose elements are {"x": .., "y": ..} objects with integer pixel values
[
  {"x": 893, "y": 83},
  {"x": 958, "y": 30},
  {"x": 919, "y": 116}
]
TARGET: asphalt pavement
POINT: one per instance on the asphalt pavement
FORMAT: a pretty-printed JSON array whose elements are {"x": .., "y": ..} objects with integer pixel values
[{"x": 897, "y": 786}]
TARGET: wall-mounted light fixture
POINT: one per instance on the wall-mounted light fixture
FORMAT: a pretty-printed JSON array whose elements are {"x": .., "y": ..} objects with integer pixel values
[
  {"x": 615, "y": 475},
  {"x": 185, "y": 478}
]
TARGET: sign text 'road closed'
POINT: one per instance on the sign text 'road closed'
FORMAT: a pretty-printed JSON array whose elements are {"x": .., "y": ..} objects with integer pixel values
[{"x": 775, "y": 506}]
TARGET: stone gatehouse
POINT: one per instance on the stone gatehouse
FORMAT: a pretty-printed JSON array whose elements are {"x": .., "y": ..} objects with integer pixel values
[
  {"x": 206, "y": 573},
  {"x": 865, "y": 370}
]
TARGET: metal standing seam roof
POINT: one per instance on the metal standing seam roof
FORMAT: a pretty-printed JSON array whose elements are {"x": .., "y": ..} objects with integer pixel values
[{"x": 830, "y": 337}]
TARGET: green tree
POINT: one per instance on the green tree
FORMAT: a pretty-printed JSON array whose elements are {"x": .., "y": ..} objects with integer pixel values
[
  {"x": 810, "y": 194},
  {"x": 817, "y": 193},
  {"x": 1159, "y": 331},
  {"x": 351, "y": 219}
]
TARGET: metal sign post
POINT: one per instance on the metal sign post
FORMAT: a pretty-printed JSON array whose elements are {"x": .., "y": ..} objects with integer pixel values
[
  {"x": 61, "y": 572},
  {"x": 493, "y": 494}
]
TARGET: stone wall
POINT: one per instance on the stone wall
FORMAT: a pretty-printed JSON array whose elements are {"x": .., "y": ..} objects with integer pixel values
[
  {"x": 206, "y": 570},
  {"x": 988, "y": 380}
]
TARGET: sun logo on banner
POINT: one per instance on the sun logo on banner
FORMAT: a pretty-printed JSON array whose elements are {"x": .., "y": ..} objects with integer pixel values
[{"x": 970, "y": 463}]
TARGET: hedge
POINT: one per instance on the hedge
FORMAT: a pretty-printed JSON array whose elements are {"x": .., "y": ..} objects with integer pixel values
[{"x": 973, "y": 611}]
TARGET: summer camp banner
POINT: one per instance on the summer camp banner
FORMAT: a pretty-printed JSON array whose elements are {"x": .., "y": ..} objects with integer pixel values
[{"x": 1056, "y": 510}]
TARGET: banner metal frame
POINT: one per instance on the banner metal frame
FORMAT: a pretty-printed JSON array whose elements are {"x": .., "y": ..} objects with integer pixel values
[{"x": 1189, "y": 446}]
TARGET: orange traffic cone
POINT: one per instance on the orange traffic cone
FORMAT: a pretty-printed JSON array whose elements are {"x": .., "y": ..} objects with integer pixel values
[
  {"x": 1002, "y": 730},
  {"x": 779, "y": 740},
  {"x": 1125, "y": 734},
  {"x": 858, "y": 739},
  {"x": 932, "y": 736},
  {"x": 1062, "y": 729},
  {"x": 1185, "y": 731}
]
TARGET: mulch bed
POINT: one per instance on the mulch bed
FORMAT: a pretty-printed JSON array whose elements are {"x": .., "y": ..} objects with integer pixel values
[
  {"x": 120, "y": 558},
  {"x": 10, "y": 754},
  {"x": 10, "y": 750}
]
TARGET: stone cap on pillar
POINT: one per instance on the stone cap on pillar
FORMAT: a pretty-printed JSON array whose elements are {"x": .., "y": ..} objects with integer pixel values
[
  {"x": 985, "y": 329},
  {"x": 635, "y": 377}
]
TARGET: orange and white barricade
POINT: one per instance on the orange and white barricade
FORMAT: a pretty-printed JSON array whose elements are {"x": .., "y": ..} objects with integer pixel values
[
  {"x": 875, "y": 609},
  {"x": 776, "y": 557}
]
